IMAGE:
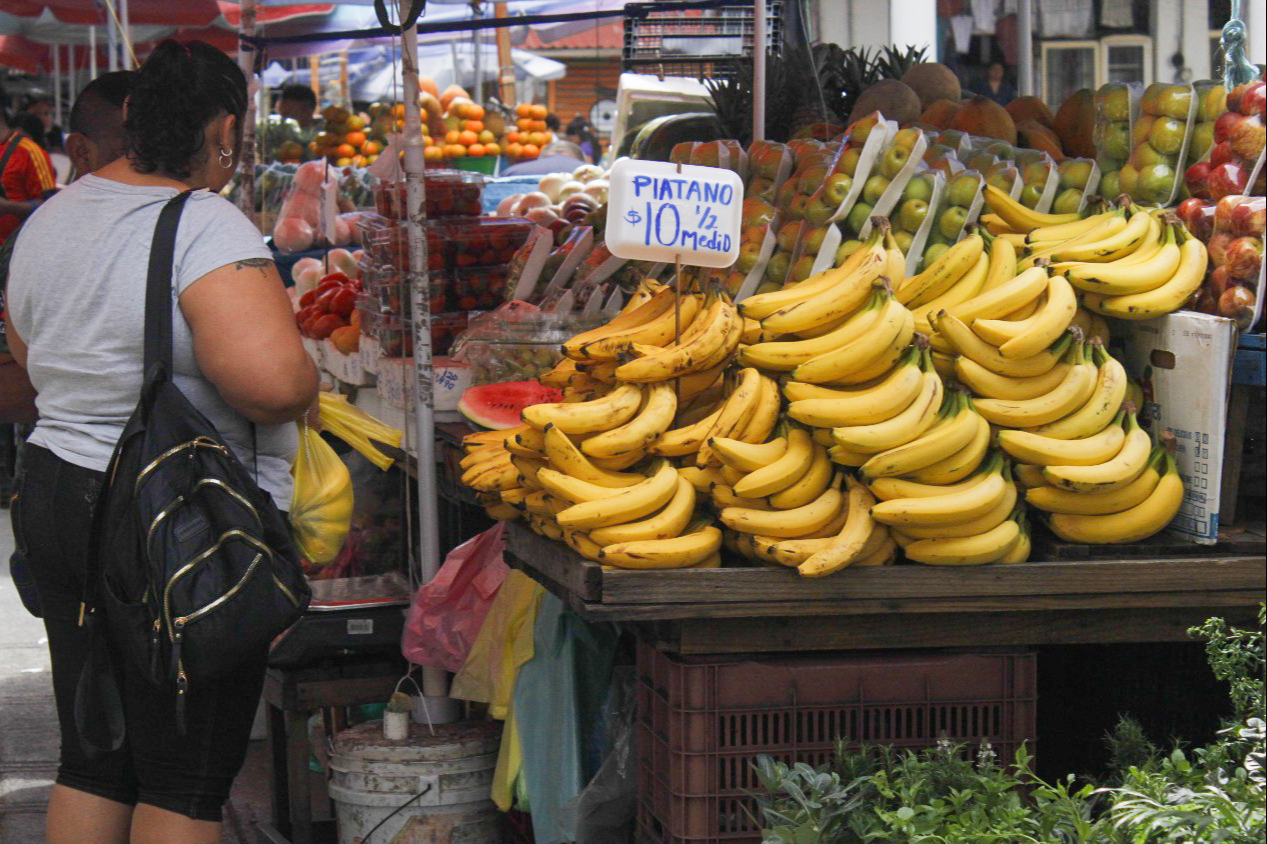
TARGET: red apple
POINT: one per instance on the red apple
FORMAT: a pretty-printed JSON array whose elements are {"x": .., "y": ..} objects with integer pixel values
[
  {"x": 1194, "y": 214},
  {"x": 1223, "y": 126},
  {"x": 1250, "y": 218},
  {"x": 1234, "y": 97},
  {"x": 1218, "y": 281},
  {"x": 1221, "y": 153},
  {"x": 1259, "y": 188},
  {"x": 1238, "y": 303},
  {"x": 1217, "y": 247},
  {"x": 1203, "y": 301},
  {"x": 1197, "y": 178},
  {"x": 1223, "y": 211},
  {"x": 1244, "y": 258},
  {"x": 1254, "y": 100},
  {"x": 1248, "y": 137},
  {"x": 1228, "y": 179}
]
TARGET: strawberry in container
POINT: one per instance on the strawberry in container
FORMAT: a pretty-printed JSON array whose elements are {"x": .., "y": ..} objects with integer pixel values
[
  {"x": 484, "y": 242},
  {"x": 479, "y": 288}
]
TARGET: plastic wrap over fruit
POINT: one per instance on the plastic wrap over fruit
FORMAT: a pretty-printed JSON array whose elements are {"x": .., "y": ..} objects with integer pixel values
[
  {"x": 1233, "y": 231},
  {"x": 321, "y": 505}
]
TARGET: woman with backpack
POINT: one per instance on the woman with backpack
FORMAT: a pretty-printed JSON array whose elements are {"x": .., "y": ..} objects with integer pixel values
[{"x": 77, "y": 296}]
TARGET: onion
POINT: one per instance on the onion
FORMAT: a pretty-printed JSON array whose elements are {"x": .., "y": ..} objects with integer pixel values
[
  {"x": 571, "y": 188},
  {"x": 506, "y": 208},
  {"x": 307, "y": 278},
  {"x": 542, "y": 215},
  {"x": 587, "y": 173},
  {"x": 304, "y": 264},
  {"x": 597, "y": 189},
  {"x": 341, "y": 260},
  {"x": 536, "y": 199},
  {"x": 292, "y": 235},
  {"x": 551, "y": 184}
]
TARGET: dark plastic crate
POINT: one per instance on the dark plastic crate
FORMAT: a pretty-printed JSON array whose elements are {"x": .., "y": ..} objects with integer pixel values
[
  {"x": 696, "y": 42},
  {"x": 703, "y": 721}
]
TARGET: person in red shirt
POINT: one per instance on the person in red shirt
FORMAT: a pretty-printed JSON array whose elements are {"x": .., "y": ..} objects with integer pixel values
[{"x": 26, "y": 177}]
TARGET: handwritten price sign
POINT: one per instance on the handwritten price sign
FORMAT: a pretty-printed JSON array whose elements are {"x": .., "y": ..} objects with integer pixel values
[{"x": 662, "y": 212}]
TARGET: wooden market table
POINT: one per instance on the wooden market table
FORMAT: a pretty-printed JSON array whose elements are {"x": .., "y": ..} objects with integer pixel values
[{"x": 1067, "y": 594}]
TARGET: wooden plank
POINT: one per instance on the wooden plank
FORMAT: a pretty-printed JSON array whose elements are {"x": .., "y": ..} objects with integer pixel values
[
  {"x": 555, "y": 561},
  {"x": 753, "y": 585},
  {"x": 819, "y": 633}
]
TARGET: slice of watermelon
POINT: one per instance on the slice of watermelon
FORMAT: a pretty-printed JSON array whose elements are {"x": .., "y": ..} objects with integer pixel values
[{"x": 497, "y": 406}]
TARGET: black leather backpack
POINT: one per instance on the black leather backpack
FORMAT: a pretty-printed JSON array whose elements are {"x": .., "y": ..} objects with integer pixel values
[{"x": 191, "y": 570}]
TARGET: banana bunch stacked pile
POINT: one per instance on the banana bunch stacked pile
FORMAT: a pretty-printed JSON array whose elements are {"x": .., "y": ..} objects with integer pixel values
[{"x": 1128, "y": 262}]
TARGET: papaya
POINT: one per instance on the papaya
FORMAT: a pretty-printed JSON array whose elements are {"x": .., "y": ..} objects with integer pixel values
[
  {"x": 1030, "y": 108},
  {"x": 940, "y": 113},
  {"x": 1075, "y": 124},
  {"x": 979, "y": 116},
  {"x": 1030, "y": 133}
]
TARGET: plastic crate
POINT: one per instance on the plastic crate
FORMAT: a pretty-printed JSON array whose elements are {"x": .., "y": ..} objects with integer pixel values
[
  {"x": 695, "y": 43},
  {"x": 703, "y": 721}
]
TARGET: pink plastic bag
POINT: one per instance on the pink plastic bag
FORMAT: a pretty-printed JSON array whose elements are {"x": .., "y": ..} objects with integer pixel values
[{"x": 447, "y": 613}]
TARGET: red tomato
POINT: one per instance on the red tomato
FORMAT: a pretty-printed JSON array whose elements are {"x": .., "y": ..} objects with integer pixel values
[
  {"x": 341, "y": 278},
  {"x": 308, "y": 298},
  {"x": 343, "y": 301},
  {"x": 305, "y": 314},
  {"x": 326, "y": 297},
  {"x": 324, "y": 326}
]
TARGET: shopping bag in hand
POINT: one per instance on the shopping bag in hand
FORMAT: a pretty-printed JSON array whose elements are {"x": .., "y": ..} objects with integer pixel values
[{"x": 321, "y": 506}]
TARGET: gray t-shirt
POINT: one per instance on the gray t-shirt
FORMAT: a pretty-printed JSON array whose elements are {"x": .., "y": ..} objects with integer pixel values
[{"x": 77, "y": 298}]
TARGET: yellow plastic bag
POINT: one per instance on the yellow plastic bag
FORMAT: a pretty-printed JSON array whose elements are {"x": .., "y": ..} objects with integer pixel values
[
  {"x": 356, "y": 428},
  {"x": 321, "y": 506}
]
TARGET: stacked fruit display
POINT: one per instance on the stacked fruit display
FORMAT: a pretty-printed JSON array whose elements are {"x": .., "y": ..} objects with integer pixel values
[
  {"x": 1160, "y": 136},
  {"x": 958, "y": 205},
  {"x": 1238, "y": 136},
  {"x": 1233, "y": 230},
  {"x": 329, "y": 310},
  {"x": 348, "y": 139},
  {"x": 1113, "y": 108}
]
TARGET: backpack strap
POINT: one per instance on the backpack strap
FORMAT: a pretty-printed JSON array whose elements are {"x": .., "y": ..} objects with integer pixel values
[{"x": 158, "y": 291}]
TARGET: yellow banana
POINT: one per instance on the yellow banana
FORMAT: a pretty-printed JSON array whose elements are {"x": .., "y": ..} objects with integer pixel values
[
  {"x": 528, "y": 442},
  {"x": 830, "y": 304},
  {"x": 753, "y": 332},
  {"x": 1021, "y": 550},
  {"x": 989, "y": 384},
  {"x": 885, "y": 552},
  {"x": 1118, "y": 245},
  {"x": 847, "y": 545},
  {"x": 568, "y": 459},
  {"x": 765, "y": 415},
  {"x": 988, "y": 547},
  {"x": 1049, "y": 323},
  {"x": 996, "y": 332},
  {"x": 619, "y": 464},
  {"x": 894, "y": 328},
  {"x": 861, "y": 406},
  {"x": 971, "y": 502},
  {"x": 1098, "y": 412},
  {"x": 575, "y": 490},
  {"x": 660, "y": 331},
  {"x": 514, "y": 496},
  {"x": 847, "y": 457},
  {"x": 1053, "y": 500},
  {"x": 495, "y": 478},
  {"x": 883, "y": 363},
  {"x": 667, "y": 523},
  {"x": 967, "y": 287},
  {"x": 787, "y": 552},
  {"x": 1004, "y": 298},
  {"x": 1127, "y": 465},
  {"x": 1113, "y": 224},
  {"x": 786, "y": 355},
  {"x": 488, "y": 454},
  {"x": 1118, "y": 278},
  {"x": 696, "y": 546},
  {"x": 748, "y": 457},
  {"x": 561, "y": 375},
  {"x": 956, "y": 428},
  {"x": 680, "y": 442},
  {"x": 719, "y": 335},
  {"x": 1071, "y": 394},
  {"x": 781, "y": 473},
  {"x": 900, "y": 429},
  {"x": 1002, "y": 264},
  {"x": 735, "y": 413},
  {"x": 764, "y": 304},
  {"x": 625, "y": 505},
  {"x": 960, "y": 464},
  {"x": 701, "y": 479},
  {"x": 970, "y": 345},
  {"x": 1019, "y": 217},
  {"x": 655, "y": 417},
  {"x": 809, "y": 486},
  {"x": 601, "y": 414},
  {"x": 657, "y": 305},
  {"x": 723, "y": 495},
  {"x": 949, "y": 267},
  {"x": 786, "y": 523},
  {"x": 990, "y": 520},
  {"x": 1131, "y": 525},
  {"x": 501, "y": 512},
  {"x": 1037, "y": 449},
  {"x": 1169, "y": 297},
  {"x": 580, "y": 542},
  {"x": 1061, "y": 232}
]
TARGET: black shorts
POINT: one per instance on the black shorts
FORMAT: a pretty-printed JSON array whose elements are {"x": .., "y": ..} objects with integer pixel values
[{"x": 188, "y": 774}]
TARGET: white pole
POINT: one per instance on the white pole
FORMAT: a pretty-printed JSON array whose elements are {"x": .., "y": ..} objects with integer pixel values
[
  {"x": 57, "y": 84},
  {"x": 758, "y": 70},
  {"x": 125, "y": 21},
  {"x": 1025, "y": 48},
  {"x": 246, "y": 158},
  {"x": 435, "y": 683},
  {"x": 92, "y": 53}
]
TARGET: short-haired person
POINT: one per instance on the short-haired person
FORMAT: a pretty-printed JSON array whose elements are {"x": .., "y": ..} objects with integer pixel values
[
  {"x": 96, "y": 122},
  {"x": 75, "y": 322},
  {"x": 555, "y": 157},
  {"x": 299, "y": 103}
]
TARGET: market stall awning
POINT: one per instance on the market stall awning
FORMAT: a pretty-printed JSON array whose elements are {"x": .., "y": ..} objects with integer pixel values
[{"x": 140, "y": 12}]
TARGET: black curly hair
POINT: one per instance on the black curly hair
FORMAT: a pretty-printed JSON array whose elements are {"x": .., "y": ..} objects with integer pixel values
[{"x": 181, "y": 88}]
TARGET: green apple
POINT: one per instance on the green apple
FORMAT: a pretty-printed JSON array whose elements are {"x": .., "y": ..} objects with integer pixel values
[
  {"x": 860, "y": 129},
  {"x": 1002, "y": 178},
  {"x": 919, "y": 187},
  {"x": 1035, "y": 173},
  {"x": 803, "y": 268},
  {"x": 893, "y": 161},
  {"x": 981, "y": 161},
  {"x": 813, "y": 238},
  {"x": 1001, "y": 149},
  {"x": 873, "y": 188},
  {"x": 837, "y": 188},
  {"x": 950, "y": 222},
  {"x": 776, "y": 268},
  {"x": 1109, "y": 185},
  {"x": 756, "y": 212},
  {"x": 786, "y": 193},
  {"x": 848, "y": 162},
  {"x": 1143, "y": 125},
  {"x": 845, "y": 249},
  {"x": 903, "y": 240},
  {"x": 951, "y": 137},
  {"x": 1155, "y": 184},
  {"x": 1150, "y": 102},
  {"x": 1075, "y": 173},
  {"x": 1117, "y": 140},
  {"x": 1115, "y": 104},
  {"x": 759, "y": 185},
  {"x": 935, "y": 236},
  {"x": 1166, "y": 136},
  {"x": 1202, "y": 140},
  {"x": 906, "y": 138},
  {"x": 1067, "y": 201},
  {"x": 796, "y": 210},
  {"x": 911, "y": 214},
  {"x": 749, "y": 254},
  {"x": 1174, "y": 101},
  {"x": 1031, "y": 195},
  {"x": 933, "y": 252},
  {"x": 1127, "y": 177},
  {"x": 788, "y": 233},
  {"x": 819, "y": 209},
  {"x": 1146, "y": 155},
  {"x": 858, "y": 215},
  {"x": 963, "y": 189}
]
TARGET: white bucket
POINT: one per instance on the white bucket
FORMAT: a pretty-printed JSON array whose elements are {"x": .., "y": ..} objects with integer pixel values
[{"x": 444, "y": 780}]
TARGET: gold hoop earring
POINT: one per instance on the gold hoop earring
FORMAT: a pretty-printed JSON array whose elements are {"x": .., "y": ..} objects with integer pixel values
[{"x": 226, "y": 159}]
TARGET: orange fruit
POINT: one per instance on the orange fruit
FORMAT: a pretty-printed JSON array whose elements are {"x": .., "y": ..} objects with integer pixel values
[
  {"x": 492, "y": 149},
  {"x": 512, "y": 137},
  {"x": 523, "y": 110},
  {"x": 538, "y": 125},
  {"x": 374, "y": 147},
  {"x": 343, "y": 162},
  {"x": 356, "y": 139},
  {"x": 456, "y": 151},
  {"x": 524, "y": 124},
  {"x": 475, "y": 150},
  {"x": 433, "y": 153},
  {"x": 345, "y": 151},
  {"x": 355, "y": 123},
  {"x": 538, "y": 139},
  {"x": 426, "y": 83},
  {"x": 514, "y": 150},
  {"x": 315, "y": 149},
  {"x": 359, "y": 161},
  {"x": 468, "y": 137},
  {"x": 400, "y": 124},
  {"x": 531, "y": 151},
  {"x": 398, "y": 110},
  {"x": 451, "y": 136},
  {"x": 475, "y": 126},
  {"x": 538, "y": 111},
  {"x": 487, "y": 137}
]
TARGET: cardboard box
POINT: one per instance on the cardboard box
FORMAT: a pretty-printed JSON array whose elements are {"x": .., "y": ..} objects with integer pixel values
[
  {"x": 345, "y": 368},
  {"x": 1184, "y": 362}
]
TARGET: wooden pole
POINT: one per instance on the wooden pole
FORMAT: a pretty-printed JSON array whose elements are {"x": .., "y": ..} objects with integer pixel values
[
  {"x": 343, "y": 79},
  {"x": 505, "y": 67},
  {"x": 314, "y": 71},
  {"x": 246, "y": 155}
]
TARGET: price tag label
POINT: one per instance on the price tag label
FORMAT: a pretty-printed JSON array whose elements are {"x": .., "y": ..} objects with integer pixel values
[{"x": 658, "y": 211}]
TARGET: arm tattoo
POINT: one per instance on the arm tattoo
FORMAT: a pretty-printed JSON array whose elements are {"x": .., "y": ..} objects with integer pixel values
[{"x": 259, "y": 263}]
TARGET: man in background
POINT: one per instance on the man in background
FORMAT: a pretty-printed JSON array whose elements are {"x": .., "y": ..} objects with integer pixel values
[
  {"x": 26, "y": 177},
  {"x": 299, "y": 103}
]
